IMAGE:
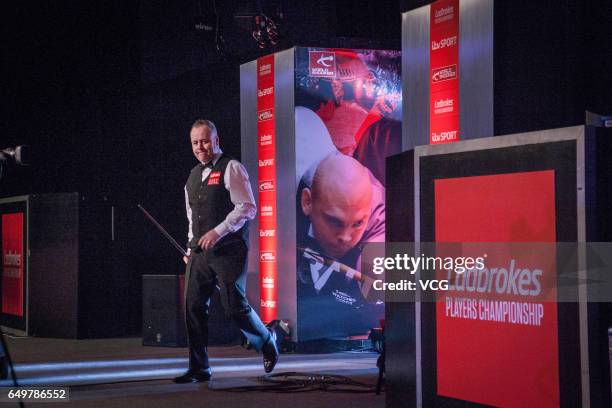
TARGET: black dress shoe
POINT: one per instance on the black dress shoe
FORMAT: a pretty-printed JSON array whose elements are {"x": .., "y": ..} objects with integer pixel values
[
  {"x": 270, "y": 353},
  {"x": 193, "y": 377}
]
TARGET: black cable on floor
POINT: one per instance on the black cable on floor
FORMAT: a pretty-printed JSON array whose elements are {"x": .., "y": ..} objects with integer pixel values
[{"x": 292, "y": 382}]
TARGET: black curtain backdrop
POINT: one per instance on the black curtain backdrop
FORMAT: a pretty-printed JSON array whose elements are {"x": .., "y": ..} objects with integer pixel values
[{"x": 105, "y": 92}]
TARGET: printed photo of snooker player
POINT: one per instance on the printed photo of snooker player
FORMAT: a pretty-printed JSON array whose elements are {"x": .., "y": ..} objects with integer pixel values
[{"x": 347, "y": 123}]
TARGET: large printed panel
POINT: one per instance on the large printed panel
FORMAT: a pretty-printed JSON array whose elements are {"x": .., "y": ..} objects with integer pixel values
[
  {"x": 347, "y": 121},
  {"x": 267, "y": 188},
  {"x": 496, "y": 329}
]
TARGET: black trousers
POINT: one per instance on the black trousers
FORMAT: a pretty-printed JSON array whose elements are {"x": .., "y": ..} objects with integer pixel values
[{"x": 223, "y": 267}]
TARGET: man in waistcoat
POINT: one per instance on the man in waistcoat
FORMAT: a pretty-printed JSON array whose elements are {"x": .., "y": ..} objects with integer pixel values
[{"x": 219, "y": 205}]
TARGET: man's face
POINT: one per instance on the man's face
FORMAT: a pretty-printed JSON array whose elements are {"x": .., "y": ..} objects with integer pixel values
[
  {"x": 365, "y": 92},
  {"x": 338, "y": 222},
  {"x": 203, "y": 143}
]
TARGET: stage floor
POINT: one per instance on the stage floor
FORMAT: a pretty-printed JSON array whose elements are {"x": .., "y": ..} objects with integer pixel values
[{"x": 122, "y": 372}]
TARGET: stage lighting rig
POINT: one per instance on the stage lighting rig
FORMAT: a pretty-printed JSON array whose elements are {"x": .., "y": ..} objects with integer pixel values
[
  {"x": 262, "y": 20},
  {"x": 265, "y": 31}
]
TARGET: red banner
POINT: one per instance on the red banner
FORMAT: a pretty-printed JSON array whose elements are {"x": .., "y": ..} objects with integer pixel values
[
  {"x": 444, "y": 75},
  {"x": 266, "y": 177},
  {"x": 497, "y": 346},
  {"x": 12, "y": 264}
]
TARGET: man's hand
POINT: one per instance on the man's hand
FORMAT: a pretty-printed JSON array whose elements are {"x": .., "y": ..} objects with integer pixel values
[
  {"x": 185, "y": 259},
  {"x": 208, "y": 240}
]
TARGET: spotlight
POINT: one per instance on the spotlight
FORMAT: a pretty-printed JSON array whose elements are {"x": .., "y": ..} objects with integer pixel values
[{"x": 20, "y": 154}]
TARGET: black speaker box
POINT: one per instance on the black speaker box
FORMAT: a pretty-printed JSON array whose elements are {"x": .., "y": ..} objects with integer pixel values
[
  {"x": 163, "y": 323},
  {"x": 163, "y": 311}
]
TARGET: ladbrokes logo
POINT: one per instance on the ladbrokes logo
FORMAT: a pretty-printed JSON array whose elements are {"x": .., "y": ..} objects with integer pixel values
[
  {"x": 265, "y": 140},
  {"x": 443, "y": 43},
  {"x": 268, "y": 283},
  {"x": 267, "y": 256},
  {"x": 511, "y": 280},
  {"x": 322, "y": 64},
  {"x": 214, "y": 177},
  {"x": 265, "y": 91},
  {"x": 266, "y": 162},
  {"x": 265, "y": 69},
  {"x": 444, "y": 14},
  {"x": 265, "y": 114},
  {"x": 266, "y": 185},
  {"x": 267, "y": 211},
  {"x": 12, "y": 258},
  {"x": 446, "y": 105},
  {"x": 444, "y": 73}
]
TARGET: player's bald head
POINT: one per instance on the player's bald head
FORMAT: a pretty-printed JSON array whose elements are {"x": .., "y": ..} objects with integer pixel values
[
  {"x": 338, "y": 203},
  {"x": 342, "y": 176}
]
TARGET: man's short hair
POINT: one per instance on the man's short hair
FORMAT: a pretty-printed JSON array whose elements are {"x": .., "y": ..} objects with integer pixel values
[{"x": 205, "y": 122}]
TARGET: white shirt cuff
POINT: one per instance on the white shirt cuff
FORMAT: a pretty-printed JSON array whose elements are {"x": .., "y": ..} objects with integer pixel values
[{"x": 222, "y": 229}]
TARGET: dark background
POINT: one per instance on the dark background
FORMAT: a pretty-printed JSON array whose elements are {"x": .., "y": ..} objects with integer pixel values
[{"x": 105, "y": 91}]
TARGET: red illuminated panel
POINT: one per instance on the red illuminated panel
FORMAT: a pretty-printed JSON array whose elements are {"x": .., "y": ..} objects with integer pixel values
[
  {"x": 12, "y": 264},
  {"x": 484, "y": 355},
  {"x": 266, "y": 185},
  {"x": 444, "y": 72}
]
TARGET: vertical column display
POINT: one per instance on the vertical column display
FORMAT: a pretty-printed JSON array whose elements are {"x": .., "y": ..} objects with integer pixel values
[
  {"x": 444, "y": 72},
  {"x": 266, "y": 177},
  {"x": 348, "y": 106}
]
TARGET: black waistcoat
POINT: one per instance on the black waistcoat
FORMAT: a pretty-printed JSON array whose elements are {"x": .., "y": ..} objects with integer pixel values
[{"x": 210, "y": 203}]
